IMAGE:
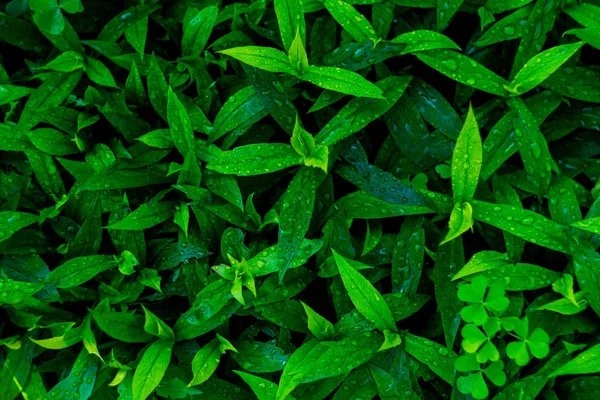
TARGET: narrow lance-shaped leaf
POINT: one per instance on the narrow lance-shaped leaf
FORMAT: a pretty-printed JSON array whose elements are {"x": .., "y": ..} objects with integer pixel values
[
  {"x": 587, "y": 362},
  {"x": 421, "y": 40},
  {"x": 351, "y": 20},
  {"x": 255, "y": 159},
  {"x": 294, "y": 220},
  {"x": 445, "y": 11},
  {"x": 465, "y": 70},
  {"x": 341, "y": 80},
  {"x": 244, "y": 107},
  {"x": 540, "y": 67},
  {"x": 151, "y": 369},
  {"x": 364, "y": 296},
  {"x": 359, "y": 112},
  {"x": 466, "y": 160},
  {"x": 266, "y": 58},
  {"x": 180, "y": 125},
  {"x": 448, "y": 258},
  {"x": 539, "y": 22},
  {"x": 80, "y": 382},
  {"x": 290, "y": 18},
  {"x": 461, "y": 220},
  {"x": 146, "y": 216},
  {"x": 80, "y": 270},
  {"x": 532, "y": 145},
  {"x": 13, "y": 221},
  {"x": 197, "y": 27},
  {"x": 525, "y": 224}
]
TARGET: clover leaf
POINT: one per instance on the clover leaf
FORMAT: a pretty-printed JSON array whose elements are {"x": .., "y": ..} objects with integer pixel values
[
  {"x": 481, "y": 304},
  {"x": 474, "y": 383},
  {"x": 477, "y": 342},
  {"x": 537, "y": 342}
]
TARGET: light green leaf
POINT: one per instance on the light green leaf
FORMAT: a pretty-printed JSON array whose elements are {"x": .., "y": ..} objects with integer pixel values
[
  {"x": 151, "y": 369},
  {"x": 466, "y": 160},
  {"x": 255, "y": 159},
  {"x": 465, "y": 70},
  {"x": 290, "y": 18},
  {"x": 99, "y": 73},
  {"x": 588, "y": 362},
  {"x": 317, "y": 325},
  {"x": 351, "y": 21},
  {"x": 461, "y": 220},
  {"x": 364, "y": 296},
  {"x": 540, "y": 67},
  {"x": 341, "y": 80},
  {"x": 80, "y": 270},
  {"x": 421, "y": 40},
  {"x": 266, "y": 58},
  {"x": 145, "y": 216}
]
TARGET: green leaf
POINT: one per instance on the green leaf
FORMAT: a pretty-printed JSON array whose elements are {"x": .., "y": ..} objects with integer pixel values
[
  {"x": 145, "y": 216},
  {"x": 364, "y": 296},
  {"x": 242, "y": 109},
  {"x": 445, "y": 12},
  {"x": 80, "y": 270},
  {"x": 136, "y": 35},
  {"x": 81, "y": 379},
  {"x": 255, "y": 159},
  {"x": 508, "y": 28},
  {"x": 525, "y": 224},
  {"x": 134, "y": 88},
  {"x": 14, "y": 221},
  {"x": 466, "y": 160},
  {"x": 532, "y": 145},
  {"x": 262, "y": 388},
  {"x": 461, "y": 220},
  {"x": 297, "y": 55},
  {"x": 205, "y": 362},
  {"x": 158, "y": 88},
  {"x": 266, "y": 58},
  {"x": 156, "y": 327},
  {"x": 341, "y": 80},
  {"x": 465, "y": 70},
  {"x": 66, "y": 62},
  {"x": 448, "y": 256},
  {"x": 314, "y": 360},
  {"x": 588, "y": 362},
  {"x": 260, "y": 357},
  {"x": 540, "y": 67},
  {"x": 437, "y": 357},
  {"x": 126, "y": 327},
  {"x": 99, "y": 73},
  {"x": 14, "y": 292},
  {"x": 290, "y": 18},
  {"x": 15, "y": 371},
  {"x": 421, "y": 40},
  {"x": 151, "y": 369},
  {"x": 197, "y": 28},
  {"x": 296, "y": 212},
  {"x": 359, "y": 112},
  {"x": 124, "y": 20},
  {"x": 179, "y": 124},
  {"x": 351, "y": 21},
  {"x": 318, "y": 326}
]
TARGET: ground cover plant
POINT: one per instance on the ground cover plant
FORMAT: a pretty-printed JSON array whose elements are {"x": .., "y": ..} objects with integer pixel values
[{"x": 348, "y": 200}]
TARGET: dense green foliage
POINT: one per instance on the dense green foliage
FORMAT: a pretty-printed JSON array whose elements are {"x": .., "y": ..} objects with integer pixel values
[{"x": 271, "y": 199}]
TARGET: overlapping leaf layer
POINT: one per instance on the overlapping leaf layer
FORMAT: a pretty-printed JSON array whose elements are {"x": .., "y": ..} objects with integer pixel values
[{"x": 287, "y": 199}]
